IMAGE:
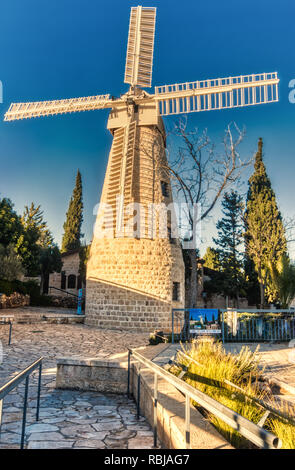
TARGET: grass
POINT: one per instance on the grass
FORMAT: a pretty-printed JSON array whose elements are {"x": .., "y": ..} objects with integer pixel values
[
  {"x": 215, "y": 365},
  {"x": 285, "y": 431}
]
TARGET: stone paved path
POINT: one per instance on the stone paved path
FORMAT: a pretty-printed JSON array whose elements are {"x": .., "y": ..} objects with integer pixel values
[{"x": 68, "y": 419}]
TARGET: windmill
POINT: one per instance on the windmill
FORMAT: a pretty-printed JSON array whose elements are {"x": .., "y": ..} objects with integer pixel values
[{"x": 133, "y": 279}]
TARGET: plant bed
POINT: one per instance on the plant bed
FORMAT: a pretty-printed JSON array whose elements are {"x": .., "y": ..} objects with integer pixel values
[{"x": 237, "y": 382}]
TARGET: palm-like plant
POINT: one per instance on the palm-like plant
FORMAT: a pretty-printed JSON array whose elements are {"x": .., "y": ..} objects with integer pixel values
[{"x": 282, "y": 276}]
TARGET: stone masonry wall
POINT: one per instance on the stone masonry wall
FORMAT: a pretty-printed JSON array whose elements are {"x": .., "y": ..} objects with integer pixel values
[{"x": 118, "y": 308}]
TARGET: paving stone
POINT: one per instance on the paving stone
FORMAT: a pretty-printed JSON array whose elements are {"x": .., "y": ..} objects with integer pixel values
[
  {"x": 140, "y": 443},
  {"x": 92, "y": 435},
  {"x": 147, "y": 432},
  {"x": 82, "y": 421},
  {"x": 115, "y": 444},
  {"x": 40, "y": 427},
  {"x": 86, "y": 444},
  {"x": 45, "y": 436},
  {"x": 82, "y": 404},
  {"x": 108, "y": 426},
  {"x": 10, "y": 437},
  {"x": 126, "y": 434},
  {"x": 50, "y": 444},
  {"x": 11, "y": 409},
  {"x": 53, "y": 420},
  {"x": 138, "y": 427},
  {"x": 74, "y": 430}
]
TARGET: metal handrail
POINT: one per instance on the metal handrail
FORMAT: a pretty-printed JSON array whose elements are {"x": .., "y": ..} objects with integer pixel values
[
  {"x": 6, "y": 320},
  {"x": 65, "y": 291},
  {"x": 13, "y": 383},
  {"x": 254, "y": 433}
]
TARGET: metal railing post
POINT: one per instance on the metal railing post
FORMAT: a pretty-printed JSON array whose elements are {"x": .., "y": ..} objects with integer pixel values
[
  {"x": 155, "y": 409},
  {"x": 24, "y": 413},
  {"x": 222, "y": 325},
  {"x": 187, "y": 422},
  {"x": 1, "y": 409},
  {"x": 10, "y": 333},
  {"x": 39, "y": 391},
  {"x": 128, "y": 374},
  {"x": 138, "y": 393}
]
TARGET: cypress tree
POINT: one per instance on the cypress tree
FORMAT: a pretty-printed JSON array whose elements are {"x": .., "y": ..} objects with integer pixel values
[
  {"x": 265, "y": 234},
  {"x": 74, "y": 218}
]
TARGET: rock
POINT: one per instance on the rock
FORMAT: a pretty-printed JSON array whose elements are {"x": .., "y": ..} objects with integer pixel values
[
  {"x": 73, "y": 431},
  {"x": 126, "y": 434},
  {"x": 141, "y": 443},
  {"x": 45, "y": 436},
  {"x": 108, "y": 426},
  {"x": 39, "y": 427},
  {"x": 65, "y": 444},
  {"x": 93, "y": 444}
]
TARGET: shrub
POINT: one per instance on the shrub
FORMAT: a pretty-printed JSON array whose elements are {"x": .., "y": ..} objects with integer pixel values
[
  {"x": 10, "y": 264},
  {"x": 214, "y": 365}
]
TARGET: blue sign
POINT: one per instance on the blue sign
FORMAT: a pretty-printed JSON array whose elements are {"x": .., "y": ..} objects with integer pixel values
[{"x": 203, "y": 314}]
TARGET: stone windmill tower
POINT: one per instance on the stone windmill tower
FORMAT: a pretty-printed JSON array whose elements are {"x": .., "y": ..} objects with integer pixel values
[{"x": 135, "y": 272}]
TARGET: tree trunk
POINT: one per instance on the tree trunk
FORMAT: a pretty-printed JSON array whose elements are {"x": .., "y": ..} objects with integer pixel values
[
  {"x": 193, "y": 279},
  {"x": 261, "y": 288}
]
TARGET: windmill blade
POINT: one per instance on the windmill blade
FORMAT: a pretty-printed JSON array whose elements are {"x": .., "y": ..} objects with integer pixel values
[
  {"x": 46, "y": 108},
  {"x": 119, "y": 189},
  {"x": 220, "y": 93},
  {"x": 140, "y": 48}
]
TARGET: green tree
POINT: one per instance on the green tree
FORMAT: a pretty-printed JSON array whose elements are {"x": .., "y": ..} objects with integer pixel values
[
  {"x": 11, "y": 267},
  {"x": 211, "y": 259},
  {"x": 72, "y": 227},
  {"x": 33, "y": 219},
  {"x": 84, "y": 255},
  {"x": 230, "y": 238},
  {"x": 264, "y": 230},
  {"x": 282, "y": 276},
  {"x": 35, "y": 237},
  {"x": 10, "y": 223},
  {"x": 50, "y": 262}
]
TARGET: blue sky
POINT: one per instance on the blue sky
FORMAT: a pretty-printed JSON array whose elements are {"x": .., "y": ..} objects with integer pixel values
[{"x": 71, "y": 48}]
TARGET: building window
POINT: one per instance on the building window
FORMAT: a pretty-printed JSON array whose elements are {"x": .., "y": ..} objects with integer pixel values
[
  {"x": 63, "y": 283},
  {"x": 72, "y": 281},
  {"x": 171, "y": 239},
  {"x": 176, "y": 291},
  {"x": 165, "y": 188}
]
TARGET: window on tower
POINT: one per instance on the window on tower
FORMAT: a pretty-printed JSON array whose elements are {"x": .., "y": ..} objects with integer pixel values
[
  {"x": 176, "y": 291},
  {"x": 165, "y": 188}
]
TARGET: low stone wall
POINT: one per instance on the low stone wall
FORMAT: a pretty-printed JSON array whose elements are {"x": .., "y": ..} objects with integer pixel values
[
  {"x": 14, "y": 300},
  {"x": 92, "y": 374}
]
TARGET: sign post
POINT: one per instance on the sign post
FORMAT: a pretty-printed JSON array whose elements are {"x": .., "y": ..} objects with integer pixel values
[{"x": 79, "y": 306}]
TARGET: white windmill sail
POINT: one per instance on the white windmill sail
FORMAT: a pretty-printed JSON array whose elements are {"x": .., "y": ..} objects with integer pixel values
[
  {"x": 140, "y": 48},
  {"x": 46, "y": 108},
  {"x": 220, "y": 93}
]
